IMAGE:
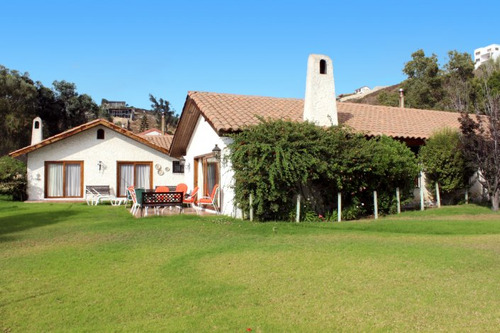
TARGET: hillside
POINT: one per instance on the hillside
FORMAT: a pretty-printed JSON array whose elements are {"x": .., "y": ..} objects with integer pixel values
[
  {"x": 135, "y": 125},
  {"x": 373, "y": 98}
]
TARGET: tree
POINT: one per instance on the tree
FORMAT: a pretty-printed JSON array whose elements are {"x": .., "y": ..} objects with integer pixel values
[
  {"x": 77, "y": 109},
  {"x": 459, "y": 73},
  {"x": 21, "y": 100},
  {"x": 444, "y": 162},
  {"x": 50, "y": 110},
  {"x": 18, "y": 101},
  {"x": 160, "y": 106},
  {"x": 391, "y": 164},
  {"x": 423, "y": 88},
  {"x": 388, "y": 98},
  {"x": 481, "y": 136},
  {"x": 144, "y": 122}
]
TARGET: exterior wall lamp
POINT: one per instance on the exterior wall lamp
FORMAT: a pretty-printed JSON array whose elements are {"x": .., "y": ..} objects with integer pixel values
[
  {"x": 182, "y": 161},
  {"x": 216, "y": 152},
  {"x": 100, "y": 165}
]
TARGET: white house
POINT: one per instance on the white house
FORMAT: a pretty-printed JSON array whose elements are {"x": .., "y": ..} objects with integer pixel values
[
  {"x": 486, "y": 53},
  {"x": 207, "y": 119},
  {"x": 101, "y": 153},
  {"x": 96, "y": 153}
]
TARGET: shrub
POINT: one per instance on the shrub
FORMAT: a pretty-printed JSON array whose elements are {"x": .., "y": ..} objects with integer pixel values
[
  {"x": 276, "y": 160},
  {"x": 13, "y": 178},
  {"x": 393, "y": 165},
  {"x": 444, "y": 162}
]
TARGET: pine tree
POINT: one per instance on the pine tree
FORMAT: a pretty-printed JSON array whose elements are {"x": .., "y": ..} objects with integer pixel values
[{"x": 144, "y": 123}]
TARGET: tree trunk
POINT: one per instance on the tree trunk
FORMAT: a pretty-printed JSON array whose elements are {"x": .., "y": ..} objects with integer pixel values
[{"x": 494, "y": 201}]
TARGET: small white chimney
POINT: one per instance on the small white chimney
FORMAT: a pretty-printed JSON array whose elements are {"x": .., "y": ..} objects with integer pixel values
[
  {"x": 401, "y": 98},
  {"x": 163, "y": 123},
  {"x": 36, "y": 131},
  {"x": 320, "y": 106}
]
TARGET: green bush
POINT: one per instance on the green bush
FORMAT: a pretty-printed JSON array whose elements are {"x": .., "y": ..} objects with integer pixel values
[
  {"x": 276, "y": 160},
  {"x": 13, "y": 178},
  {"x": 444, "y": 162}
]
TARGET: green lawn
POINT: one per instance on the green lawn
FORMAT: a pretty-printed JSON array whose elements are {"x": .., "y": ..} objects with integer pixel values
[{"x": 70, "y": 267}]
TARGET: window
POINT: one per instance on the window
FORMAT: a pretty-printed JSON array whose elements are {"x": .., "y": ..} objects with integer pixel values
[
  {"x": 138, "y": 174},
  {"x": 100, "y": 134},
  {"x": 211, "y": 175},
  {"x": 37, "y": 124},
  {"x": 64, "y": 179},
  {"x": 322, "y": 66},
  {"x": 177, "y": 167}
]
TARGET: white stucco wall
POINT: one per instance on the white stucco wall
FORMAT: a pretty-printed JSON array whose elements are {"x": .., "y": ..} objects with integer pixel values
[
  {"x": 202, "y": 142},
  {"x": 85, "y": 147}
]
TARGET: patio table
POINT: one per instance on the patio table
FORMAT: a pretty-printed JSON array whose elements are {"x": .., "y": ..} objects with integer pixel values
[{"x": 161, "y": 199}]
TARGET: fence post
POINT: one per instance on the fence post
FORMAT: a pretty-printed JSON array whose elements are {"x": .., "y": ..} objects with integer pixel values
[
  {"x": 438, "y": 198},
  {"x": 421, "y": 192},
  {"x": 375, "y": 204},
  {"x": 466, "y": 196},
  {"x": 339, "y": 206},
  {"x": 398, "y": 200},
  {"x": 251, "y": 206},
  {"x": 297, "y": 217}
]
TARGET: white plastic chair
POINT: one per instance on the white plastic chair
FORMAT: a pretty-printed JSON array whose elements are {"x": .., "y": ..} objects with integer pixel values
[
  {"x": 135, "y": 204},
  {"x": 211, "y": 200}
]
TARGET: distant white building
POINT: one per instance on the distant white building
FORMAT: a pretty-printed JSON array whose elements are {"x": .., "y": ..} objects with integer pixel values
[
  {"x": 359, "y": 93},
  {"x": 486, "y": 53},
  {"x": 363, "y": 90}
]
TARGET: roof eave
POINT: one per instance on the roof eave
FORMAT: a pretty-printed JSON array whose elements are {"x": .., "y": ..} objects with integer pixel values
[{"x": 82, "y": 128}]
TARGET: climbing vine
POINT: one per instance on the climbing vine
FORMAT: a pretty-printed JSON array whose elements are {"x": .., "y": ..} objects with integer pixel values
[{"x": 277, "y": 160}]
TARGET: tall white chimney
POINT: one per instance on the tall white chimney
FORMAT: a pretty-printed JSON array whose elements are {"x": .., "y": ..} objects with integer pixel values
[
  {"x": 320, "y": 106},
  {"x": 36, "y": 131}
]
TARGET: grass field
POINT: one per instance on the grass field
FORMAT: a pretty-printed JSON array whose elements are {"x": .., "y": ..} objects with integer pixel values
[{"x": 70, "y": 267}]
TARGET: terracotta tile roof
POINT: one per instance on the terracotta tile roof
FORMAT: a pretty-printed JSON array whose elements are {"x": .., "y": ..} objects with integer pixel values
[
  {"x": 84, "y": 127},
  {"x": 230, "y": 113},
  {"x": 394, "y": 121},
  {"x": 163, "y": 141},
  {"x": 151, "y": 131}
]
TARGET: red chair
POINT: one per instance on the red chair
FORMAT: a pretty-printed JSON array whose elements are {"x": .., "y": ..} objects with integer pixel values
[
  {"x": 181, "y": 188},
  {"x": 211, "y": 200},
  {"x": 160, "y": 189},
  {"x": 191, "y": 199}
]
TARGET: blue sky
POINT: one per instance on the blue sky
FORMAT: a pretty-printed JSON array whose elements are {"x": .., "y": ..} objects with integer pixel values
[{"x": 124, "y": 50}]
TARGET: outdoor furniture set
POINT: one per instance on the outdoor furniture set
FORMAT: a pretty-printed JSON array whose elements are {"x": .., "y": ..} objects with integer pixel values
[
  {"x": 162, "y": 197},
  {"x": 158, "y": 199},
  {"x": 94, "y": 194}
]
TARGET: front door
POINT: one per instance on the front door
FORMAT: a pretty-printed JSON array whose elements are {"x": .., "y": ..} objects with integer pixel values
[{"x": 207, "y": 176}]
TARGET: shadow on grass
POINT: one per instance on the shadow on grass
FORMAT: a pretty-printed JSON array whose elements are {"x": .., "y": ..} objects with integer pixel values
[
  {"x": 436, "y": 227},
  {"x": 21, "y": 222}
]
